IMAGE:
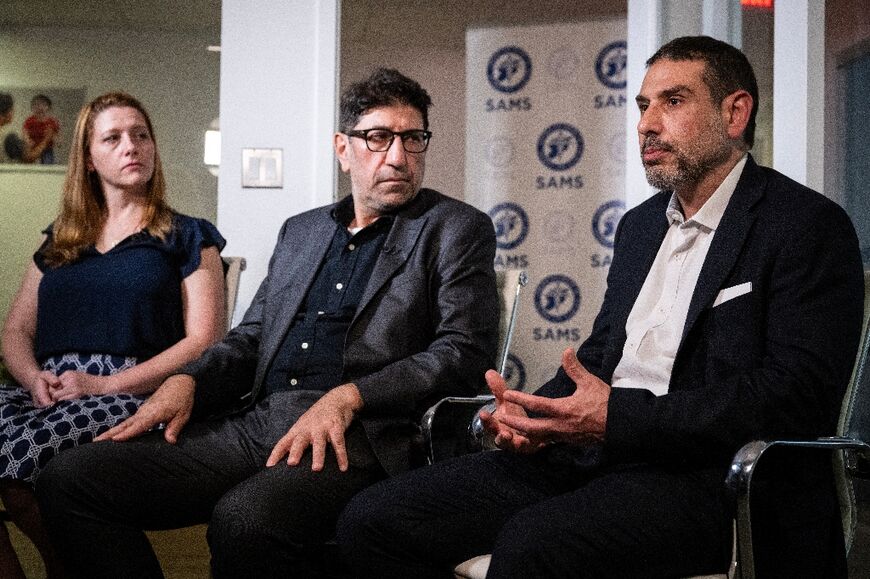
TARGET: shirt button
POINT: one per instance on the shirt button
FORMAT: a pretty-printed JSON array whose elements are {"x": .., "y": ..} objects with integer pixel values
[
  {"x": 304, "y": 345},
  {"x": 294, "y": 381},
  {"x": 338, "y": 286},
  {"x": 351, "y": 247}
]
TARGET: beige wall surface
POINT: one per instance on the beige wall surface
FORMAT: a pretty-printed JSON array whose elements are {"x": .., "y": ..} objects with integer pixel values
[{"x": 29, "y": 200}]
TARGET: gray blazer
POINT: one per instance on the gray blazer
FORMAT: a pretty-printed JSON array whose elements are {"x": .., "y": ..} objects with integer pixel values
[{"x": 426, "y": 326}]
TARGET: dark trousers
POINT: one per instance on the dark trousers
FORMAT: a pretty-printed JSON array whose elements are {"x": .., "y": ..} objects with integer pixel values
[
  {"x": 97, "y": 499},
  {"x": 538, "y": 520}
]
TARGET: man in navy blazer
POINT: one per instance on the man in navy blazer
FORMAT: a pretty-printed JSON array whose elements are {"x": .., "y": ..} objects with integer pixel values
[
  {"x": 372, "y": 309},
  {"x": 732, "y": 313}
]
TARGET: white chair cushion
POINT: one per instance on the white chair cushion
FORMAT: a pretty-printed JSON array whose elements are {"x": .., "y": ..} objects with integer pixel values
[
  {"x": 477, "y": 567},
  {"x": 473, "y": 568}
]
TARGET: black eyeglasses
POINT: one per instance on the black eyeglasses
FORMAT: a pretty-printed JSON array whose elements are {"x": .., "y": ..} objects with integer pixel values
[{"x": 380, "y": 140}]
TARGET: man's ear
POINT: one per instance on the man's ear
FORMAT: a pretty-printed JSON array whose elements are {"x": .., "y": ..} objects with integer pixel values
[
  {"x": 736, "y": 109},
  {"x": 341, "y": 144}
]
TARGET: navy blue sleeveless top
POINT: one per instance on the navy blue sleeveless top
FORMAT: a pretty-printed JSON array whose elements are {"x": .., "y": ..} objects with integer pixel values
[{"x": 125, "y": 302}]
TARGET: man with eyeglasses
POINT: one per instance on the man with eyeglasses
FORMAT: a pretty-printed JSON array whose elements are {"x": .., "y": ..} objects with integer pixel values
[{"x": 372, "y": 308}]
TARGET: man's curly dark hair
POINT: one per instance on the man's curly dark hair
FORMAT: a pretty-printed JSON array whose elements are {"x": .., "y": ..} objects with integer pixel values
[{"x": 385, "y": 87}]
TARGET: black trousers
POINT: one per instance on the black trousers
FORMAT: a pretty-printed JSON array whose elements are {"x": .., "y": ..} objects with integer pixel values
[
  {"x": 98, "y": 498},
  {"x": 539, "y": 520}
]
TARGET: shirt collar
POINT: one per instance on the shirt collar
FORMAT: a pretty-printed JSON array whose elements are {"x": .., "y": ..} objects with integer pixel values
[
  {"x": 710, "y": 214},
  {"x": 342, "y": 214}
]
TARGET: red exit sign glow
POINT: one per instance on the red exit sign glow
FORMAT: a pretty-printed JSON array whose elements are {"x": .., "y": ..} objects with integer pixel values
[{"x": 758, "y": 4}]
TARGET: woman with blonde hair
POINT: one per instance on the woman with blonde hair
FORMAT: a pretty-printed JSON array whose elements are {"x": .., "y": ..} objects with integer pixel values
[{"x": 121, "y": 294}]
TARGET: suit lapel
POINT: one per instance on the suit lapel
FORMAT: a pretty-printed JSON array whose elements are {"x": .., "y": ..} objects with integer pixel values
[
  {"x": 397, "y": 249},
  {"x": 310, "y": 248},
  {"x": 727, "y": 242},
  {"x": 409, "y": 223}
]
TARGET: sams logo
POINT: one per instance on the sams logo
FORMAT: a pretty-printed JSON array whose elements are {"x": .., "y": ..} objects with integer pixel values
[
  {"x": 610, "y": 66},
  {"x": 557, "y": 298},
  {"x": 605, "y": 220},
  {"x": 560, "y": 147},
  {"x": 511, "y": 225},
  {"x": 509, "y": 69},
  {"x": 514, "y": 373}
]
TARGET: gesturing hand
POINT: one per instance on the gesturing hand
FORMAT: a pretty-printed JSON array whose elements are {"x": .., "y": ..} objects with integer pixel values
[
  {"x": 324, "y": 423},
  {"x": 576, "y": 419},
  {"x": 506, "y": 437},
  {"x": 171, "y": 404}
]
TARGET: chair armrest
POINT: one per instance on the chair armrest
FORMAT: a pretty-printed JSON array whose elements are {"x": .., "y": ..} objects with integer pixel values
[
  {"x": 743, "y": 467},
  {"x": 447, "y": 426}
]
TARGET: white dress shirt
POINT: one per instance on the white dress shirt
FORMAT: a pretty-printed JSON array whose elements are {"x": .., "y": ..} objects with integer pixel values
[{"x": 655, "y": 325}]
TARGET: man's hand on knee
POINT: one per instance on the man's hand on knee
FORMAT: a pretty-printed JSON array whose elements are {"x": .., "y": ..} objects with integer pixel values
[
  {"x": 171, "y": 404},
  {"x": 323, "y": 424}
]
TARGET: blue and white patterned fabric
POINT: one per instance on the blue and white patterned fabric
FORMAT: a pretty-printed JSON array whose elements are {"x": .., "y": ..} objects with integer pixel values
[{"x": 31, "y": 436}]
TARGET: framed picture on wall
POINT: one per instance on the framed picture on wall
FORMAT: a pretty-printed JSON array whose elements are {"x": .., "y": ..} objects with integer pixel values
[{"x": 35, "y": 111}]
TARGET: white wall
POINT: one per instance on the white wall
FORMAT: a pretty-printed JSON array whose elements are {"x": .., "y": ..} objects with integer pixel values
[
  {"x": 278, "y": 79},
  {"x": 799, "y": 92},
  {"x": 171, "y": 73}
]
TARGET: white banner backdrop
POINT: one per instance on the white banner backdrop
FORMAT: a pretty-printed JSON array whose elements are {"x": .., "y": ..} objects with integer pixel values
[{"x": 545, "y": 150}]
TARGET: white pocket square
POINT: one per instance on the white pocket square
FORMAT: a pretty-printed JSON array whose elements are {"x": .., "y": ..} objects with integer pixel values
[{"x": 729, "y": 293}]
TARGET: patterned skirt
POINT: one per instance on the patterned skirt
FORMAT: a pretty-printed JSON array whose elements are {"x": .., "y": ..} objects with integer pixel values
[{"x": 31, "y": 436}]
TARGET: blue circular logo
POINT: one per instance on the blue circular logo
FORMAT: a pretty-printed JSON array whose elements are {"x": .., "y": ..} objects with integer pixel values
[
  {"x": 509, "y": 69},
  {"x": 560, "y": 146},
  {"x": 514, "y": 373},
  {"x": 605, "y": 220},
  {"x": 610, "y": 66},
  {"x": 511, "y": 225},
  {"x": 557, "y": 298}
]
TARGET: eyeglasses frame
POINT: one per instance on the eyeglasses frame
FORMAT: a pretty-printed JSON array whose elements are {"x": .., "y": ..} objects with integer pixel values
[{"x": 363, "y": 134}]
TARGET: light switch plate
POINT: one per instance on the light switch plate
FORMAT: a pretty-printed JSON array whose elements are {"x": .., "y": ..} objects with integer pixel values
[{"x": 262, "y": 168}]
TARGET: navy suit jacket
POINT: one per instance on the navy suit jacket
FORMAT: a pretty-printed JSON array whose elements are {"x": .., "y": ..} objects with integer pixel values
[
  {"x": 425, "y": 327},
  {"x": 771, "y": 363}
]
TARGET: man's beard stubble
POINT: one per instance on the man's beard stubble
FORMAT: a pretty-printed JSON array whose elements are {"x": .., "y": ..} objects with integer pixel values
[{"x": 694, "y": 160}]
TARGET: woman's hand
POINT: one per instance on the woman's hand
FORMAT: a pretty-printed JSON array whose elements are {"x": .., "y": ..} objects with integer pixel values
[
  {"x": 171, "y": 404},
  {"x": 72, "y": 384},
  {"x": 40, "y": 388}
]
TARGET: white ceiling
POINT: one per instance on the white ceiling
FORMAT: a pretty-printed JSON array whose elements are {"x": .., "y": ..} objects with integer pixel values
[{"x": 167, "y": 15}]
